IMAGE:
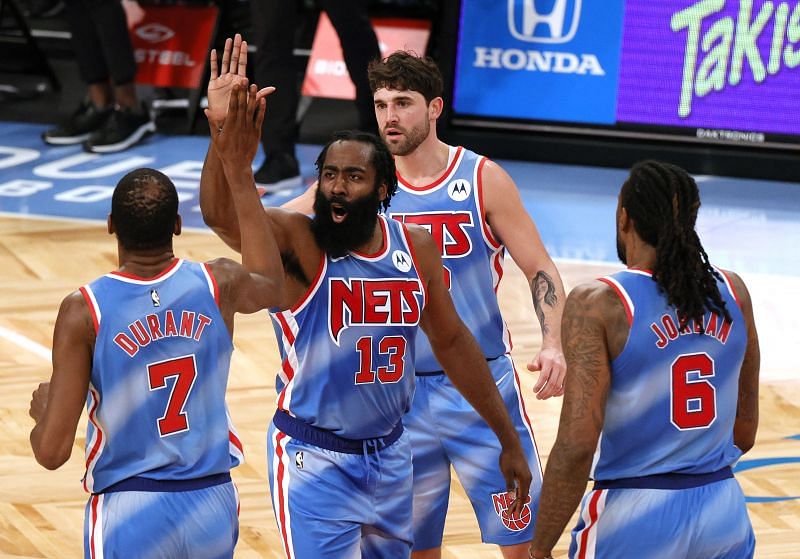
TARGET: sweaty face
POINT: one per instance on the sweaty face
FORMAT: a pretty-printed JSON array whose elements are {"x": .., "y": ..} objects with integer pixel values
[
  {"x": 403, "y": 119},
  {"x": 347, "y": 199}
]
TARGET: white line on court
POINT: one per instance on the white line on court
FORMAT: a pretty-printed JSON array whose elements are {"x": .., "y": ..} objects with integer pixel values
[{"x": 25, "y": 343}]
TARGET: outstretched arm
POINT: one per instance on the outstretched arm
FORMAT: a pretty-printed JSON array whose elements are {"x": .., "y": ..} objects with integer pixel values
[
  {"x": 463, "y": 361},
  {"x": 746, "y": 423},
  {"x": 587, "y": 351},
  {"x": 56, "y": 405},
  {"x": 236, "y": 144},
  {"x": 216, "y": 204},
  {"x": 303, "y": 203},
  {"x": 512, "y": 225}
]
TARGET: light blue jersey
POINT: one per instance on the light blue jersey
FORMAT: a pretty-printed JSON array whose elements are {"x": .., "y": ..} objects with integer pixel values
[
  {"x": 348, "y": 345},
  {"x": 156, "y": 399},
  {"x": 451, "y": 209},
  {"x": 673, "y": 395}
]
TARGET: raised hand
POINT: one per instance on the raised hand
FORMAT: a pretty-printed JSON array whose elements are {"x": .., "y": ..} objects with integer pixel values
[
  {"x": 237, "y": 141},
  {"x": 224, "y": 77}
]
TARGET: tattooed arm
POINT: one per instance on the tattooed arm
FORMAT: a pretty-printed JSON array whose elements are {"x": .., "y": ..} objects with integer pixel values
[
  {"x": 512, "y": 225},
  {"x": 594, "y": 331}
]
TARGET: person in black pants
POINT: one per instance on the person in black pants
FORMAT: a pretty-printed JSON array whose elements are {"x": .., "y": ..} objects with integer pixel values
[
  {"x": 274, "y": 26},
  {"x": 110, "y": 118}
]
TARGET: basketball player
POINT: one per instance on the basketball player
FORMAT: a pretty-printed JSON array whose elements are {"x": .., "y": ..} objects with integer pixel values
[
  {"x": 359, "y": 285},
  {"x": 147, "y": 348},
  {"x": 473, "y": 209},
  {"x": 663, "y": 368}
]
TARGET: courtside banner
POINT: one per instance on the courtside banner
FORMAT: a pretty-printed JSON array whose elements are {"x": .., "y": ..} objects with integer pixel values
[
  {"x": 539, "y": 59},
  {"x": 326, "y": 73},
  {"x": 171, "y": 45},
  {"x": 716, "y": 65}
]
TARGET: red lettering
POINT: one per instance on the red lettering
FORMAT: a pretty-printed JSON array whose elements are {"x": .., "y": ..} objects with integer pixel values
[
  {"x": 345, "y": 298},
  {"x": 187, "y": 324},
  {"x": 169, "y": 324},
  {"x": 202, "y": 322},
  {"x": 448, "y": 229},
  {"x": 711, "y": 326},
  {"x": 376, "y": 300},
  {"x": 669, "y": 326},
  {"x": 126, "y": 344},
  {"x": 154, "y": 326},
  {"x": 724, "y": 331},
  {"x": 662, "y": 341},
  {"x": 139, "y": 333}
]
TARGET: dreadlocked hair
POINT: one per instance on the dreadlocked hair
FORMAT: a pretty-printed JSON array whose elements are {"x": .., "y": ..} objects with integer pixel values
[
  {"x": 144, "y": 208},
  {"x": 663, "y": 200},
  {"x": 382, "y": 160}
]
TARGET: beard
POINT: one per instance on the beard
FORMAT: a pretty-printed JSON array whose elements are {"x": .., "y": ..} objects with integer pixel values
[
  {"x": 412, "y": 138},
  {"x": 337, "y": 239},
  {"x": 621, "y": 251}
]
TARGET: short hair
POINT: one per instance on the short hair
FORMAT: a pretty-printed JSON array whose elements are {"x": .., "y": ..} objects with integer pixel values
[
  {"x": 382, "y": 160},
  {"x": 662, "y": 200},
  {"x": 404, "y": 70},
  {"x": 144, "y": 209}
]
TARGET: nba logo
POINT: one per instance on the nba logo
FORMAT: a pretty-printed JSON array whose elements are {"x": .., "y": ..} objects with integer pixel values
[
  {"x": 514, "y": 522},
  {"x": 544, "y": 21}
]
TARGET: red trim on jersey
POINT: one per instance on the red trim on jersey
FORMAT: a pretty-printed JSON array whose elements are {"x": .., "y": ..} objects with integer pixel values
[
  {"x": 384, "y": 244},
  {"x": 438, "y": 181},
  {"x": 313, "y": 286},
  {"x": 498, "y": 267},
  {"x": 645, "y": 270},
  {"x": 99, "y": 440},
  {"x": 213, "y": 282},
  {"x": 95, "y": 499},
  {"x": 91, "y": 309},
  {"x": 493, "y": 242},
  {"x": 415, "y": 260},
  {"x": 593, "y": 516},
  {"x": 287, "y": 330},
  {"x": 162, "y": 273},
  {"x": 628, "y": 312},
  {"x": 522, "y": 404},
  {"x": 234, "y": 440},
  {"x": 281, "y": 497},
  {"x": 730, "y": 286}
]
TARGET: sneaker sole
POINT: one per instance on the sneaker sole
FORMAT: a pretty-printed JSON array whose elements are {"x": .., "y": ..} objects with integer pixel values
[
  {"x": 137, "y": 136},
  {"x": 66, "y": 140},
  {"x": 285, "y": 184}
]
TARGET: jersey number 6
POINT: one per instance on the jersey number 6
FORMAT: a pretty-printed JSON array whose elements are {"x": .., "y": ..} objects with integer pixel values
[
  {"x": 183, "y": 369},
  {"x": 694, "y": 402},
  {"x": 394, "y": 347}
]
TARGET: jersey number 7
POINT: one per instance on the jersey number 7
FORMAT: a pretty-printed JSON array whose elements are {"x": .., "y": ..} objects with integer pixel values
[{"x": 184, "y": 370}]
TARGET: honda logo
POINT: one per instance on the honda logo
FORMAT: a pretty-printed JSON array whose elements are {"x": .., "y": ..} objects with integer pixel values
[
  {"x": 531, "y": 21},
  {"x": 155, "y": 32}
]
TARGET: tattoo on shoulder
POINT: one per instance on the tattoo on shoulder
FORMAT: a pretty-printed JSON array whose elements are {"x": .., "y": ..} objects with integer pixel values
[{"x": 544, "y": 293}]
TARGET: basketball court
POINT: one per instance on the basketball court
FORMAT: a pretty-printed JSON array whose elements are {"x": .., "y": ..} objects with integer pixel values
[{"x": 53, "y": 205}]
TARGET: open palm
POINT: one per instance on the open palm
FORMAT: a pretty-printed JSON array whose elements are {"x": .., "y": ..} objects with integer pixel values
[{"x": 232, "y": 71}]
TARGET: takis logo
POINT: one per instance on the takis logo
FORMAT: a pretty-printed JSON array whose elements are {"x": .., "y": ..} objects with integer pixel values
[
  {"x": 155, "y": 32},
  {"x": 531, "y": 21}
]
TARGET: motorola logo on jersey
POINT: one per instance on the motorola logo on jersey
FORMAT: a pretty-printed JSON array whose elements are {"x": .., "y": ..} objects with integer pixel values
[
  {"x": 155, "y": 32},
  {"x": 448, "y": 229},
  {"x": 402, "y": 261},
  {"x": 459, "y": 190},
  {"x": 373, "y": 302},
  {"x": 532, "y": 21},
  {"x": 514, "y": 522}
]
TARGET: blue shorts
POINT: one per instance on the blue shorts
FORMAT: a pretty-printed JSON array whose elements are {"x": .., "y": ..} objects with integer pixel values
[
  {"x": 337, "y": 505},
  {"x": 706, "y": 522},
  {"x": 445, "y": 430},
  {"x": 199, "y": 524}
]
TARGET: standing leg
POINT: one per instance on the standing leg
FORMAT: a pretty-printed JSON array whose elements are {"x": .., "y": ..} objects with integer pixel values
[{"x": 360, "y": 47}]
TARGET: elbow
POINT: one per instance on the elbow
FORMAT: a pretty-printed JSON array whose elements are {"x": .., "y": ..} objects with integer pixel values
[
  {"x": 744, "y": 439},
  {"x": 52, "y": 458}
]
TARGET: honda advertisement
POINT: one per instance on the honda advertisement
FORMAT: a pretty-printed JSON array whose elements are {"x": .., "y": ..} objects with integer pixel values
[{"x": 720, "y": 70}]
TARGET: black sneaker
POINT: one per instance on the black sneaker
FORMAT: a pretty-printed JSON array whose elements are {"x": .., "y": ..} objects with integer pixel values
[
  {"x": 124, "y": 128},
  {"x": 76, "y": 129},
  {"x": 280, "y": 171}
]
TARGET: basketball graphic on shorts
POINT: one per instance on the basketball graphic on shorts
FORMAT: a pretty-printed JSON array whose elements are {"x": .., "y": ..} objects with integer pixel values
[{"x": 514, "y": 522}]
